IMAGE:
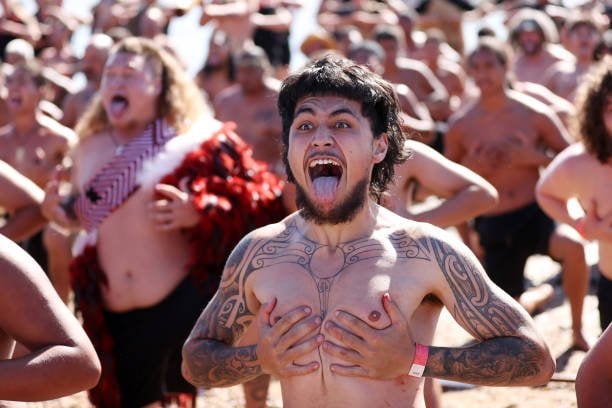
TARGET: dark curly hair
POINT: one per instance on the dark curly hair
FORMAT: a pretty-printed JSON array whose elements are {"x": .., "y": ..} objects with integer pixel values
[
  {"x": 593, "y": 96},
  {"x": 334, "y": 75}
]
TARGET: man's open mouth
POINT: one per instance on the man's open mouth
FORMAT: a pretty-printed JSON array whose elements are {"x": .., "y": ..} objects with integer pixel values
[
  {"x": 118, "y": 105},
  {"x": 325, "y": 175}
]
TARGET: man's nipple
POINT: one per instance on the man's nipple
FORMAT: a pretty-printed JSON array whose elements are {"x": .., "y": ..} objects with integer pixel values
[{"x": 374, "y": 316}]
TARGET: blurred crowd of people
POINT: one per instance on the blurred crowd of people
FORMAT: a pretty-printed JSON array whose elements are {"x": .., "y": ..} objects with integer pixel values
[{"x": 503, "y": 109}]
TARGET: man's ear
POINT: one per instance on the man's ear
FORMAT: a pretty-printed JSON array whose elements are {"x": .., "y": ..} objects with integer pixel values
[{"x": 381, "y": 144}]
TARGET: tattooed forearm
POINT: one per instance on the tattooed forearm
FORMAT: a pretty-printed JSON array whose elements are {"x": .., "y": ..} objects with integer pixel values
[
  {"x": 211, "y": 363},
  {"x": 496, "y": 362}
]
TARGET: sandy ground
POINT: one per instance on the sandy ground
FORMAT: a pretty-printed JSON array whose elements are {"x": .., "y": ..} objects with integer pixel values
[{"x": 554, "y": 322}]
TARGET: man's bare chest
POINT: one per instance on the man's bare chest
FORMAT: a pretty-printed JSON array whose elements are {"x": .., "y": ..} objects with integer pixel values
[{"x": 351, "y": 279}]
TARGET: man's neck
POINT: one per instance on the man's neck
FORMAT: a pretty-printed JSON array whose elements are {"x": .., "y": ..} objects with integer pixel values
[
  {"x": 361, "y": 226},
  {"x": 494, "y": 101},
  {"x": 124, "y": 134},
  {"x": 535, "y": 57},
  {"x": 25, "y": 122}
]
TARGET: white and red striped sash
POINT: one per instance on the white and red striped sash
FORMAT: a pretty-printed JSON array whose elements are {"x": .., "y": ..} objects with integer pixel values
[{"x": 117, "y": 180}]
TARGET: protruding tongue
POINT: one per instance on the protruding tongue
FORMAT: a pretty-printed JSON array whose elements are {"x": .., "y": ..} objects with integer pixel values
[
  {"x": 118, "y": 106},
  {"x": 325, "y": 187}
]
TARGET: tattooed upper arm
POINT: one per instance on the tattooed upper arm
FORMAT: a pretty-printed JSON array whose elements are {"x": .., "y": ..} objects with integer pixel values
[
  {"x": 479, "y": 306},
  {"x": 227, "y": 315}
]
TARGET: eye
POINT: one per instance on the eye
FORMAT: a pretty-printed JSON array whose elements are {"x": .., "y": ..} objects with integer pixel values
[
  {"x": 342, "y": 125},
  {"x": 305, "y": 126}
]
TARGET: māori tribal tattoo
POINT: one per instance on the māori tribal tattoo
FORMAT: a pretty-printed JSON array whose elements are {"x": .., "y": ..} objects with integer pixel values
[
  {"x": 476, "y": 307},
  {"x": 501, "y": 360}
]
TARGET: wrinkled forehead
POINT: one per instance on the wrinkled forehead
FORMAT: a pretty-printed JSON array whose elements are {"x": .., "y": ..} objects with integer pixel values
[{"x": 327, "y": 105}]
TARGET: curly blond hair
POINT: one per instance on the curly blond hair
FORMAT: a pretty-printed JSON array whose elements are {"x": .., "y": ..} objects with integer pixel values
[{"x": 181, "y": 103}]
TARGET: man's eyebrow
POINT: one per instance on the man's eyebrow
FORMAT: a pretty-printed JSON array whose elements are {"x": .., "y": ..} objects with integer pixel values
[
  {"x": 304, "y": 109},
  {"x": 341, "y": 111},
  {"x": 337, "y": 112}
]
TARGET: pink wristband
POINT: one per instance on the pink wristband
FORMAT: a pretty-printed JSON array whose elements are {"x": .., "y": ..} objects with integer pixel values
[{"x": 421, "y": 353}]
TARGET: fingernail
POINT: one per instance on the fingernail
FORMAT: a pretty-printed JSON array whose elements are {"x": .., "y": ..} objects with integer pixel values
[
  {"x": 307, "y": 310},
  {"x": 317, "y": 320}
]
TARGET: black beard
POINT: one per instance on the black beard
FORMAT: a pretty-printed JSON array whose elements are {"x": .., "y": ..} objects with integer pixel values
[{"x": 341, "y": 213}]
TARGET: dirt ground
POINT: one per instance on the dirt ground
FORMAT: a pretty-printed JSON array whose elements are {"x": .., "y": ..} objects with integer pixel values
[{"x": 554, "y": 322}]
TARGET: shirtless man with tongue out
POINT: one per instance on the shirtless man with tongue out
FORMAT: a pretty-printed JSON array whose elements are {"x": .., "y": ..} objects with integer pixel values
[
  {"x": 345, "y": 295},
  {"x": 156, "y": 178}
]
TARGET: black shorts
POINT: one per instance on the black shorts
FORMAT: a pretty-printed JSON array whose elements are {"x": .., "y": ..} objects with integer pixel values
[
  {"x": 509, "y": 239},
  {"x": 604, "y": 299},
  {"x": 148, "y": 344},
  {"x": 36, "y": 248}
]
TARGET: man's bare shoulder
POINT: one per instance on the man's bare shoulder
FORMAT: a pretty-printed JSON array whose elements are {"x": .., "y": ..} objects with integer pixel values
[
  {"x": 412, "y": 64},
  {"x": 575, "y": 157},
  {"x": 271, "y": 231},
  {"x": 56, "y": 130},
  {"x": 393, "y": 224},
  {"x": 465, "y": 116},
  {"x": 528, "y": 103},
  {"x": 89, "y": 145}
]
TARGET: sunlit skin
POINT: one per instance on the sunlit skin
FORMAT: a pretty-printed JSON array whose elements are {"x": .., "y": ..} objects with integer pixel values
[
  {"x": 150, "y": 270},
  {"x": 576, "y": 173},
  {"x": 128, "y": 76},
  {"x": 32, "y": 143},
  {"x": 533, "y": 57},
  {"x": 503, "y": 137},
  {"x": 335, "y": 304},
  {"x": 333, "y": 128},
  {"x": 564, "y": 77}
]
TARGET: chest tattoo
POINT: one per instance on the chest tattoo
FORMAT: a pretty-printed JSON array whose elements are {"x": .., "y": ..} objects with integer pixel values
[{"x": 325, "y": 263}]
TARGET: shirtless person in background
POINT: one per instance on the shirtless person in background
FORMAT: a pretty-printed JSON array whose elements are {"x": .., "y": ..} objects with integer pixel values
[
  {"x": 342, "y": 289},
  {"x": 91, "y": 65},
  {"x": 500, "y": 136},
  {"x": 251, "y": 104},
  {"x": 584, "y": 171},
  {"x": 34, "y": 144},
  {"x": 582, "y": 36},
  {"x": 149, "y": 229},
  {"x": 412, "y": 73},
  {"x": 534, "y": 36},
  {"x": 20, "y": 199}
]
